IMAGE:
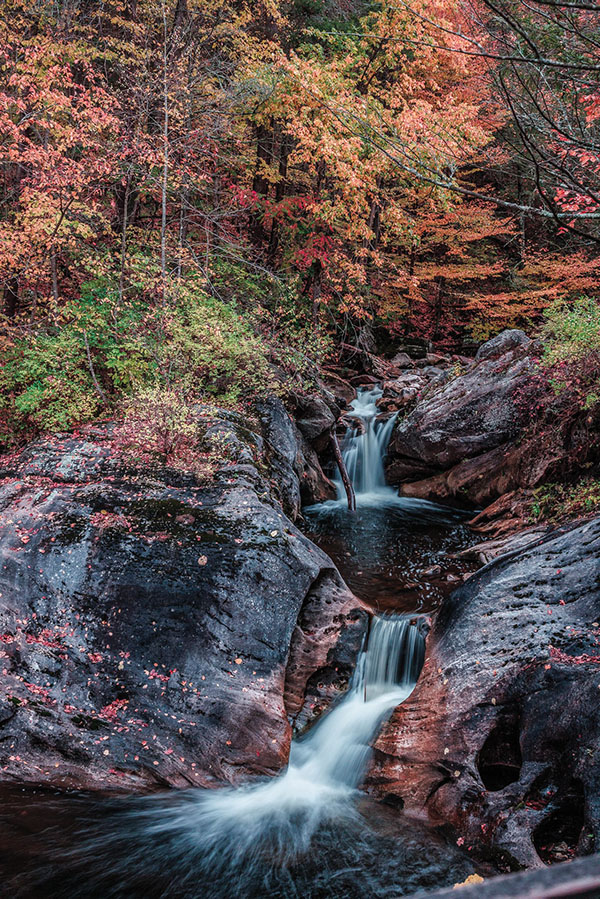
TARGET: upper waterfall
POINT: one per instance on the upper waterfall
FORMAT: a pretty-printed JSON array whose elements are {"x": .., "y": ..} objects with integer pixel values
[{"x": 364, "y": 447}]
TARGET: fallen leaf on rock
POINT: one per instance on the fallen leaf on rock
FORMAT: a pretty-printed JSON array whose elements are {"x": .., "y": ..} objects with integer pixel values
[{"x": 472, "y": 878}]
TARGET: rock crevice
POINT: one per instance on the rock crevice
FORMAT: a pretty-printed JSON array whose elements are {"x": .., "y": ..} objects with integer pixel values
[{"x": 500, "y": 737}]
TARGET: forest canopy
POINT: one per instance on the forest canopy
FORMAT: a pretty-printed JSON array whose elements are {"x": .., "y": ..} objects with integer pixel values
[{"x": 217, "y": 195}]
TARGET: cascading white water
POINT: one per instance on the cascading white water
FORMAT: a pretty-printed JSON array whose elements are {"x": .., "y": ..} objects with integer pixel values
[
  {"x": 364, "y": 448},
  {"x": 301, "y": 834},
  {"x": 254, "y": 840},
  {"x": 336, "y": 751},
  {"x": 233, "y": 829}
]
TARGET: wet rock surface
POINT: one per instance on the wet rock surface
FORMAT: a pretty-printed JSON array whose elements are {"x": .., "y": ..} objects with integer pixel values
[
  {"x": 149, "y": 622},
  {"x": 502, "y": 343},
  {"x": 501, "y": 736},
  {"x": 316, "y": 414},
  {"x": 485, "y": 433},
  {"x": 579, "y": 878},
  {"x": 296, "y": 475},
  {"x": 471, "y": 414}
]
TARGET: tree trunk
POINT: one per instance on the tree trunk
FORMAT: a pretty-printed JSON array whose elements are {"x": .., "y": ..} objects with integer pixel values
[
  {"x": 183, "y": 203},
  {"x": 165, "y": 175},
  {"x": 522, "y": 225},
  {"x": 181, "y": 14},
  {"x": 11, "y": 297},
  {"x": 316, "y": 292},
  {"x": 284, "y": 153},
  {"x": 374, "y": 221},
  {"x": 124, "y": 224},
  {"x": 409, "y": 298},
  {"x": 54, "y": 273},
  {"x": 260, "y": 184},
  {"x": 439, "y": 300}
]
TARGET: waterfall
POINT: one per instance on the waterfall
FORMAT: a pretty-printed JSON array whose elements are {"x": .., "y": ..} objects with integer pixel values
[
  {"x": 364, "y": 449},
  {"x": 231, "y": 832},
  {"x": 337, "y": 750}
]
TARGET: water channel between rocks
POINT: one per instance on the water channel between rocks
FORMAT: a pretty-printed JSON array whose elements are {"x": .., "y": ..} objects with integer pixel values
[
  {"x": 393, "y": 551},
  {"x": 310, "y": 832}
]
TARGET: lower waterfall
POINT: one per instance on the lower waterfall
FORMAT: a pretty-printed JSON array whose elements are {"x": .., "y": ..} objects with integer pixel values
[
  {"x": 307, "y": 834},
  {"x": 233, "y": 828}
]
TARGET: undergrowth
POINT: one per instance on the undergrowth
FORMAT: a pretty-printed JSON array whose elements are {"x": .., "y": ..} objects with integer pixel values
[
  {"x": 555, "y": 502},
  {"x": 231, "y": 346}
]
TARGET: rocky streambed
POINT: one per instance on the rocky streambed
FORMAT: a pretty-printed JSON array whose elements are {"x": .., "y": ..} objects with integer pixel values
[
  {"x": 157, "y": 630},
  {"x": 153, "y": 630}
]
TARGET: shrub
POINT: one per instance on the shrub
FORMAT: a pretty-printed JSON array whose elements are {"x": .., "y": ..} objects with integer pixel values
[
  {"x": 160, "y": 427},
  {"x": 210, "y": 349},
  {"x": 278, "y": 313},
  {"x": 45, "y": 385},
  {"x": 98, "y": 348},
  {"x": 571, "y": 330},
  {"x": 571, "y": 335},
  {"x": 79, "y": 362}
]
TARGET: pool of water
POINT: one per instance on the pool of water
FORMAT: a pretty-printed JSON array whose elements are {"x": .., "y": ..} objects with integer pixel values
[
  {"x": 308, "y": 833},
  {"x": 393, "y": 554},
  {"x": 83, "y": 847},
  {"x": 284, "y": 838}
]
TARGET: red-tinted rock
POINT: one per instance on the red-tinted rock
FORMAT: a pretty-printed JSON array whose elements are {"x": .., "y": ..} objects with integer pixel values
[
  {"x": 341, "y": 389},
  {"x": 500, "y": 737},
  {"x": 492, "y": 434}
]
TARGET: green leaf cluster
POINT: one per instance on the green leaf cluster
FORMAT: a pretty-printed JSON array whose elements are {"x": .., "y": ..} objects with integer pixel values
[
  {"x": 571, "y": 330},
  {"x": 102, "y": 347},
  {"x": 553, "y": 502}
]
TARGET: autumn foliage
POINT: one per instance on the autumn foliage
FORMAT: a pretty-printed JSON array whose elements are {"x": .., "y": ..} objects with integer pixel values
[{"x": 200, "y": 190}]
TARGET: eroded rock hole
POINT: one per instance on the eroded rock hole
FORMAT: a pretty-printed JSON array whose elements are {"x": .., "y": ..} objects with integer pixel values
[
  {"x": 558, "y": 836},
  {"x": 499, "y": 762}
]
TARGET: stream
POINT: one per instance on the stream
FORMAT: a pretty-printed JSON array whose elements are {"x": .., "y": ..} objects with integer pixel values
[
  {"x": 310, "y": 832},
  {"x": 393, "y": 551}
]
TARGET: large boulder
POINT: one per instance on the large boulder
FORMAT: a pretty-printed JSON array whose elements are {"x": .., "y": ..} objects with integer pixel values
[
  {"x": 340, "y": 388},
  {"x": 404, "y": 390},
  {"x": 296, "y": 474},
  {"x": 467, "y": 416},
  {"x": 493, "y": 432},
  {"x": 579, "y": 878},
  {"x": 316, "y": 414},
  {"x": 488, "y": 436},
  {"x": 501, "y": 344},
  {"x": 151, "y": 623},
  {"x": 501, "y": 737}
]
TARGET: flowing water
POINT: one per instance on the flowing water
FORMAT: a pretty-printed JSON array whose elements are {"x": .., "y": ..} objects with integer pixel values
[
  {"x": 393, "y": 551},
  {"x": 365, "y": 446},
  {"x": 307, "y": 833}
]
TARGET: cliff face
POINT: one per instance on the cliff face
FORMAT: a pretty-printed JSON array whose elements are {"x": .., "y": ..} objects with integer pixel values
[{"x": 154, "y": 629}]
